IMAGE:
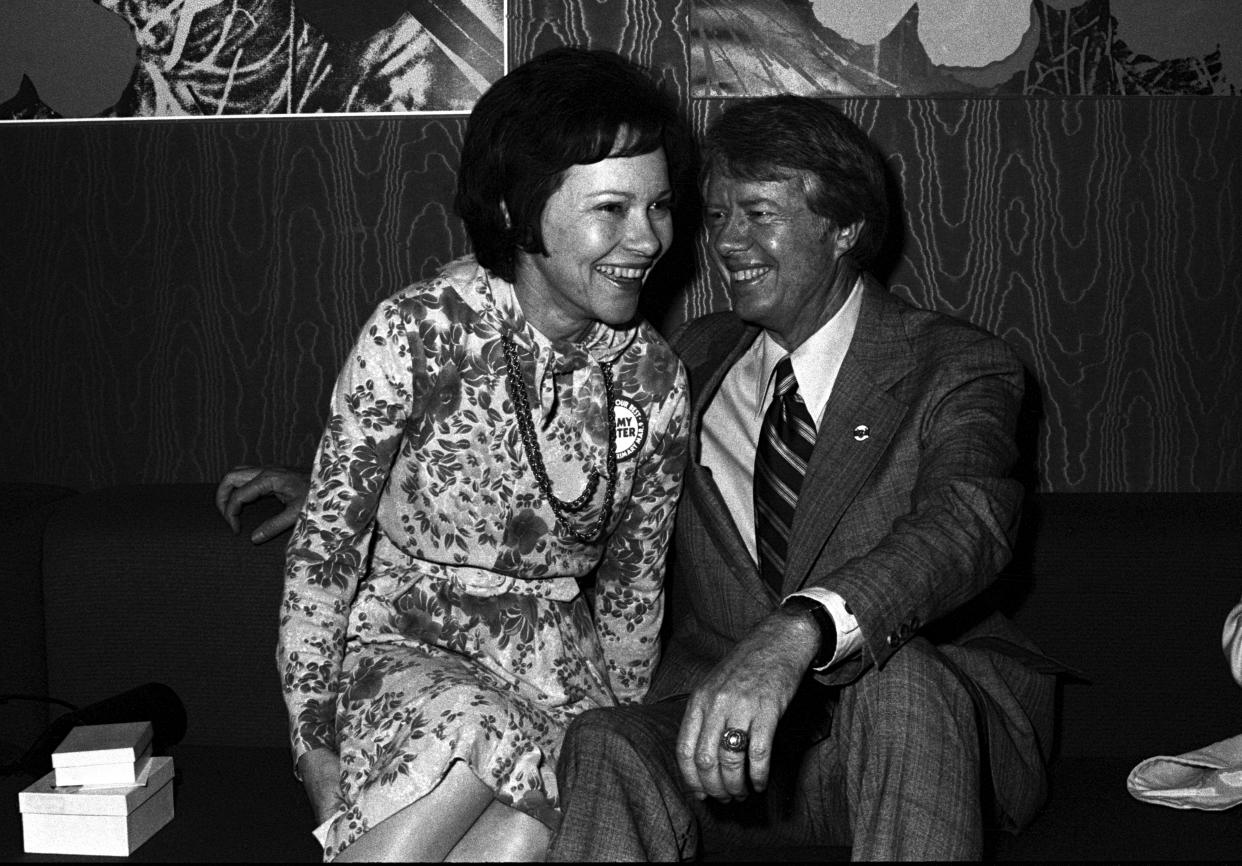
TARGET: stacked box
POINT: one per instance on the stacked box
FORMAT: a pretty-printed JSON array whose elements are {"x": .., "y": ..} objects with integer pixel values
[
  {"x": 103, "y": 819},
  {"x": 102, "y": 754}
]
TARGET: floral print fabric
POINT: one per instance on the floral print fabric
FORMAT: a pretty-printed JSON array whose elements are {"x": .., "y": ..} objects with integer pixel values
[{"x": 432, "y": 610}]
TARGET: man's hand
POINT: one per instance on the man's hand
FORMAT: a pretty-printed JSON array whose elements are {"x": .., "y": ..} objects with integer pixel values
[
  {"x": 749, "y": 689},
  {"x": 321, "y": 774},
  {"x": 244, "y": 484}
]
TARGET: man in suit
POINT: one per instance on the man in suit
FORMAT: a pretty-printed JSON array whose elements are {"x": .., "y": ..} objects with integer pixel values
[{"x": 825, "y": 680}]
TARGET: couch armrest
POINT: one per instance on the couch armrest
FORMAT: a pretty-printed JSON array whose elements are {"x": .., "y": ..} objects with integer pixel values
[{"x": 24, "y": 511}]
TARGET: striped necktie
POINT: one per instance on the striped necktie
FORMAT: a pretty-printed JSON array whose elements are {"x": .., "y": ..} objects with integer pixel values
[{"x": 786, "y": 440}]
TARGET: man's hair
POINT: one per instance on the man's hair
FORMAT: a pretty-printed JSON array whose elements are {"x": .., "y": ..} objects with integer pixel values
[
  {"x": 785, "y": 137},
  {"x": 566, "y": 107}
]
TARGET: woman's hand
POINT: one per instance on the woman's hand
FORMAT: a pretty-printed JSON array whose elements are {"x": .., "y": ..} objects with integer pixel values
[
  {"x": 321, "y": 774},
  {"x": 243, "y": 484}
]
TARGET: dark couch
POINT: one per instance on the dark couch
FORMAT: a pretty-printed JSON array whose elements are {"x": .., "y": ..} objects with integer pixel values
[{"x": 115, "y": 588}]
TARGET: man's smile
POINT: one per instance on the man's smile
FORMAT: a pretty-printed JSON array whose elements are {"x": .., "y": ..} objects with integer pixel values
[
  {"x": 622, "y": 273},
  {"x": 747, "y": 274}
]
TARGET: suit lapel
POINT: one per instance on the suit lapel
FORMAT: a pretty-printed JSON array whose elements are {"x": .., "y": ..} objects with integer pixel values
[
  {"x": 858, "y": 423},
  {"x": 705, "y": 379}
]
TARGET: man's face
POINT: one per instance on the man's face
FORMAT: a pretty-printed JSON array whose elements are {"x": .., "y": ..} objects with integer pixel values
[{"x": 777, "y": 256}]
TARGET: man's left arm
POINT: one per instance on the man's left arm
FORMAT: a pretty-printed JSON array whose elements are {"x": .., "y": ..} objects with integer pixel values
[
  {"x": 943, "y": 551},
  {"x": 964, "y": 508}
]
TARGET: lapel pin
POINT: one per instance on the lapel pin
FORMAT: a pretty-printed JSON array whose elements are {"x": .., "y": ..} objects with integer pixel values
[{"x": 861, "y": 432}]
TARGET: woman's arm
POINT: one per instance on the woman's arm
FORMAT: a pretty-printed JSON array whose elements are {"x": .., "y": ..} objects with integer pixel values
[{"x": 327, "y": 554}]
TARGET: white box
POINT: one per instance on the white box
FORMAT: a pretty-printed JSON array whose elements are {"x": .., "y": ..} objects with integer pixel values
[
  {"x": 102, "y": 754},
  {"x": 98, "y": 821},
  {"x": 103, "y": 775},
  {"x": 123, "y": 742}
]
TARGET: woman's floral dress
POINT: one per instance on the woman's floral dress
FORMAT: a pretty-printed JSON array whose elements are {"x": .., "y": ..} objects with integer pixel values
[{"x": 432, "y": 610}]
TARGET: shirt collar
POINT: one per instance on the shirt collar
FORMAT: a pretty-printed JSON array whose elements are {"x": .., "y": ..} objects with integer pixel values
[
  {"x": 815, "y": 362},
  {"x": 601, "y": 343},
  {"x": 486, "y": 293}
]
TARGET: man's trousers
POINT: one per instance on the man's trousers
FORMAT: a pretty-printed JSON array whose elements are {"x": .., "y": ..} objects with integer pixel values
[{"x": 899, "y": 777}]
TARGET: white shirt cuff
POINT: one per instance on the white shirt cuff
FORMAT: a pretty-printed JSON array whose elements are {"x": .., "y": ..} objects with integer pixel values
[{"x": 849, "y": 635}]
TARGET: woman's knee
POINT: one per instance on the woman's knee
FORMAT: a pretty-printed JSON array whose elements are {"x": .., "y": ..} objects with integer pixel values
[{"x": 502, "y": 834}]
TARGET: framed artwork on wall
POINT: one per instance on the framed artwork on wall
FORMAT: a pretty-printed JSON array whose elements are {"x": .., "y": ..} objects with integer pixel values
[
  {"x": 966, "y": 47},
  {"x": 119, "y": 59}
]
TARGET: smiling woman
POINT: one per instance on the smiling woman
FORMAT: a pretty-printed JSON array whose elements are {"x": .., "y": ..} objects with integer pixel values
[
  {"x": 482, "y": 456},
  {"x": 604, "y": 229}
]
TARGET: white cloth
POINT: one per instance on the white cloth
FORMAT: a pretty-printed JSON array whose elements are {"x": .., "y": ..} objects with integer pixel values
[
  {"x": 1231, "y": 642},
  {"x": 1209, "y": 778}
]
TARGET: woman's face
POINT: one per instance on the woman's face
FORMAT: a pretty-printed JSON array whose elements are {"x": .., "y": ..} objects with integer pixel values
[{"x": 604, "y": 229}]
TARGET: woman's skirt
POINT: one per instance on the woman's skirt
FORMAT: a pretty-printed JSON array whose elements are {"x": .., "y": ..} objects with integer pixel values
[{"x": 489, "y": 681}]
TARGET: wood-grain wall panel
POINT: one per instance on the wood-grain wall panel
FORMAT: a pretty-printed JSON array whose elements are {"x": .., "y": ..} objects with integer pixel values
[
  {"x": 178, "y": 295},
  {"x": 188, "y": 290},
  {"x": 1099, "y": 236}
]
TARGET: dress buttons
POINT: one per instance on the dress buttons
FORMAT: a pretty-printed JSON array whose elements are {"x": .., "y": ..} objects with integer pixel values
[{"x": 861, "y": 432}]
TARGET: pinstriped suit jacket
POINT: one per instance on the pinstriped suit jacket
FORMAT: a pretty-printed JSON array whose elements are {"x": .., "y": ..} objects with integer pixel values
[{"x": 907, "y": 511}]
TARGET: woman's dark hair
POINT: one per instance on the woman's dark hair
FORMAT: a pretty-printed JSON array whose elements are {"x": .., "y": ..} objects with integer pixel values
[
  {"x": 781, "y": 137},
  {"x": 566, "y": 107}
]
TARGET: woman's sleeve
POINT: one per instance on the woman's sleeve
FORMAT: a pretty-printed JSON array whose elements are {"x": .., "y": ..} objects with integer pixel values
[
  {"x": 327, "y": 554},
  {"x": 1231, "y": 640},
  {"x": 629, "y": 598}
]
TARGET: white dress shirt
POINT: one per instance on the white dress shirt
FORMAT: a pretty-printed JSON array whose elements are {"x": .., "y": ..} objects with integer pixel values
[{"x": 730, "y": 433}]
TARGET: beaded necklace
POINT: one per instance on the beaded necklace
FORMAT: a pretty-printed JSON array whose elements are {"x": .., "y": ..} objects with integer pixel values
[{"x": 526, "y": 427}]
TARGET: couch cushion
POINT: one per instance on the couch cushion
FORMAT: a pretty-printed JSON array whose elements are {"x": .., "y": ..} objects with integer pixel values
[
  {"x": 1090, "y": 816},
  {"x": 148, "y": 584},
  {"x": 1133, "y": 590}
]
